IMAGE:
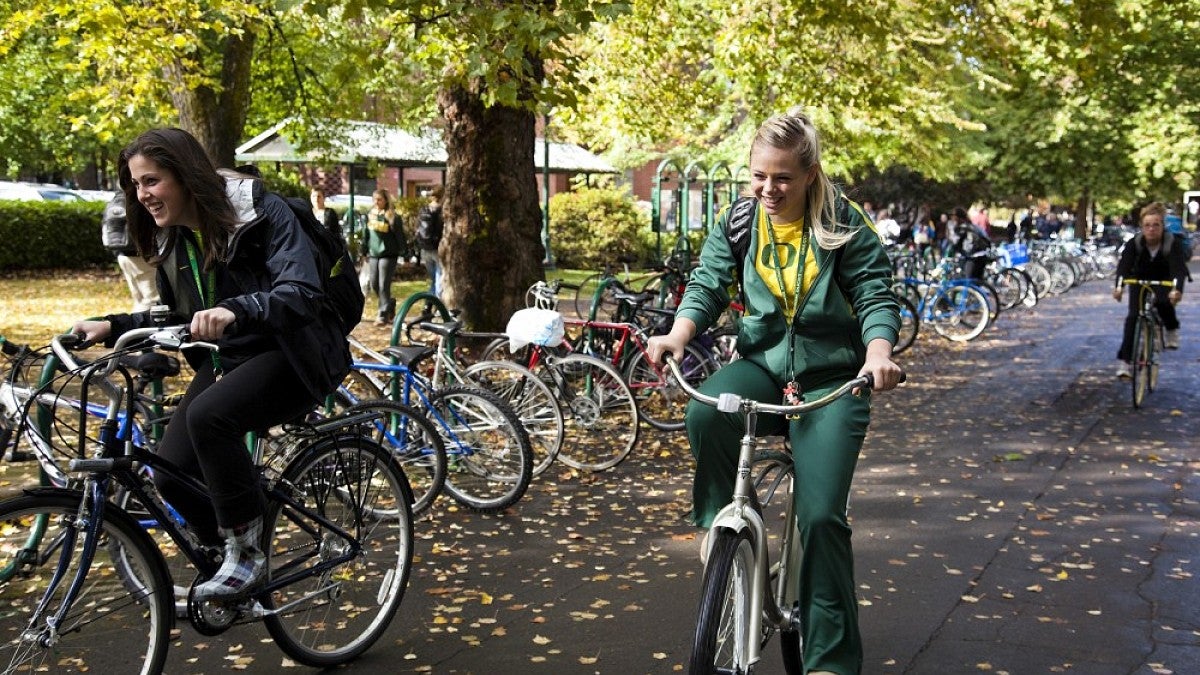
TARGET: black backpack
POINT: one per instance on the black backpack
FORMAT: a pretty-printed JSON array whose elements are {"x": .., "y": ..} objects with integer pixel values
[
  {"x": 429, "y": 228},
  {"x": 343, "y": 294}
]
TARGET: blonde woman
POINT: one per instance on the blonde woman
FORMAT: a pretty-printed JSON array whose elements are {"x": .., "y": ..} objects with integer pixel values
[
  {"x": 819, "y": 311},
  {"x": 385, "y": 244}
]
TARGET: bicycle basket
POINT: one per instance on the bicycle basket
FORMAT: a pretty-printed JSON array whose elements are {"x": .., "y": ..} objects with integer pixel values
[{"x": 1014, "y": 254}]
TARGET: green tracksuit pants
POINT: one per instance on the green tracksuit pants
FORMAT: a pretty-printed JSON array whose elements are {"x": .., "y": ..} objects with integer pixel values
[{"x": 826, "y": 445}]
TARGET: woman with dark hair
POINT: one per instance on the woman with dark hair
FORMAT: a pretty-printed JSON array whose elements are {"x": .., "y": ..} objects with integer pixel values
[
  {"x": 235, "y": 264},
  {"x": 819, "y": 311}
]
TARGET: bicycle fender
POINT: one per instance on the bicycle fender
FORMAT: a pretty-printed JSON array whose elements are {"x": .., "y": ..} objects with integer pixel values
[{"x": 736, "y": 519}]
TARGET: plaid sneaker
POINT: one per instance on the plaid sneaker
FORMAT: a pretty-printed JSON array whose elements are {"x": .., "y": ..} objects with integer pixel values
[{"x": 244, "y": 565}]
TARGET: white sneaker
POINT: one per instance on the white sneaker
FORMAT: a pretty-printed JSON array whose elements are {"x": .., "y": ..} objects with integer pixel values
[
  {"x": 1123, "y": 370},
  {"x": 1173, "y": 339}
]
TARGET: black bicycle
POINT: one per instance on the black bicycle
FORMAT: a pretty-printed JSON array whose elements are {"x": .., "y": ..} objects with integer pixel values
[{"x": 91, "y": 589}]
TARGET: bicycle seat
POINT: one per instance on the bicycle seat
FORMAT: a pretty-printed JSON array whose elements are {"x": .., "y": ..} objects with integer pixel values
[
  {"x": 444, "y": 329},
  {"x": 409, "y": 354},
  {"x": 154, "y": 365},
  {"x": 632, "y": 298}
]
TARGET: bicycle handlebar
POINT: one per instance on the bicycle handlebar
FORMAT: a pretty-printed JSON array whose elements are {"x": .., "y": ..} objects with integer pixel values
[
  {"x": 1169, "y": 283},
  {"x": 732, "y": 403},
  {"x": 167, "y": 337}
]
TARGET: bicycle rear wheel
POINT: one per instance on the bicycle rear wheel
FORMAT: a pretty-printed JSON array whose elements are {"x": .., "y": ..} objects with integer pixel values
[
  {"x": 532, "y": 401},
  {"x": 723, "y": 638},
  {"x": 488, "y": 451},
  {"x": 960, "y": 313},
  {"x": 415, "y": 445},
  {"x": 334, "y": 611},
  {"x": 1141, "y": 361},
  {"x": 120, "y": 621},
  {"x": 600, "y": 415}
]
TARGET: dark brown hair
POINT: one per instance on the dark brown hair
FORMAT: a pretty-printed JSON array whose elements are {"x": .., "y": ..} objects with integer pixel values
[{"x": 178, "y": 152}]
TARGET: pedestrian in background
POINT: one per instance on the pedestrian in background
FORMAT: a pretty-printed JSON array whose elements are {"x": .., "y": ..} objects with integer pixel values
[
  {"x": 327, "y": 216},
  {"x": 385, "y": 244},
  {"x": 139, "y": 274},
  {"x": 429, "y": 237}
]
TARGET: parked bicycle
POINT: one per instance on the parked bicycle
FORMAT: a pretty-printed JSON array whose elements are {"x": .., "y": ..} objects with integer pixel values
[{"x": 91, "y": 588}]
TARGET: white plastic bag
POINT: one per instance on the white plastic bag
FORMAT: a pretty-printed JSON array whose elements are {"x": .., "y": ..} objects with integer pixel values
[{"x": 533, "y": 325}]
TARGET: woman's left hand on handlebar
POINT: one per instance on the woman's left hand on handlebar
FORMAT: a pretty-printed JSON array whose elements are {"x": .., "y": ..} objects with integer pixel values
[
  {"x": 880, "y": 365},
  {"x": 92, "y": 330},
  {"x": 210, "y": 324}
]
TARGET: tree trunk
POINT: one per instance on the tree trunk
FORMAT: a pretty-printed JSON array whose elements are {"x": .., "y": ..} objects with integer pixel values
[
  {"x": 216, "y": 115},
  {"x": 491, "y": 249},
  {"x": 1083, "y": 223}
]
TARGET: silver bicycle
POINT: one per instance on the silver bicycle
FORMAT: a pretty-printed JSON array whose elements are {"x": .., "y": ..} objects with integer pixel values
[{"x": 746, "y": 599}]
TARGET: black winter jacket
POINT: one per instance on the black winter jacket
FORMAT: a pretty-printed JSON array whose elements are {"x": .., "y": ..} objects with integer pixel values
[{"x": 271, "y": 262}]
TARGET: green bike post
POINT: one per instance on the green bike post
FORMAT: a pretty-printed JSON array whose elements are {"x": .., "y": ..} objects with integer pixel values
[{"x": 656, "y": 203}]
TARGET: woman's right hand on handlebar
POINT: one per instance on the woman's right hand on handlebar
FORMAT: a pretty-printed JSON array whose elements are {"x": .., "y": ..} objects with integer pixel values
[
  {"x": 673, "y": 343},
  {"x": 93, "y": 330}
]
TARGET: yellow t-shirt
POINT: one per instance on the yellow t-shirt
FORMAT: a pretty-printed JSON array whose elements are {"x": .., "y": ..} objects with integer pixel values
[{"x": 788, "y": 238}]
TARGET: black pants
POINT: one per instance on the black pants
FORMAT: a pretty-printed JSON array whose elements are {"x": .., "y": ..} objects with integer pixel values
[
  {"x": 206, "y": 438},
  {"x": 1166, "y": 311}
]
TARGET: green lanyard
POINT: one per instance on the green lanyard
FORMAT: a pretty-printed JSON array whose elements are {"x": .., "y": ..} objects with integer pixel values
[
  {"x": 207, "y": 291},
  {"x": 792, "y": 388}
]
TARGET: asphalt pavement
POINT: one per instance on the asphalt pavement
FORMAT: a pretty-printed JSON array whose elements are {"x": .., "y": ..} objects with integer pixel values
[{"x": 1012, "y": 513}]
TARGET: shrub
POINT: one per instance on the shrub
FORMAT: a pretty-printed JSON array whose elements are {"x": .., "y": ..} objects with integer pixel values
[
  {"x": 41, "y": 235},
  {"x": 591, "y": 227}
]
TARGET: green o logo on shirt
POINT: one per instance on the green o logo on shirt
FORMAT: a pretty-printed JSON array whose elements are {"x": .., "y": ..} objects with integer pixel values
[{"x": 769, "y": 252}]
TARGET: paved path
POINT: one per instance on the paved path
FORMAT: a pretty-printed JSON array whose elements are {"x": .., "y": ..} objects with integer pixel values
[{"x": 1012, "y": 514}]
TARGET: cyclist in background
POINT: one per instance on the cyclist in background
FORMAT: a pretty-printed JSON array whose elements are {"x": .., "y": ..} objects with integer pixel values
[
  {"x": 1154, "y": 255},
  {"x": 819, "y": 311},
  {"x": 235, "y": 264}
]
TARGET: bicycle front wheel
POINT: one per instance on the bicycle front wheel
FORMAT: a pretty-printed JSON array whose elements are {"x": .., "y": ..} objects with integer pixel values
[
  {"x": 488, "y": 451},
  {"x": 1155, "y": 339},
  {"x": 910, "y": 326},
  {"x": 723, "y": 637},
  {"x": 599, "y": 412},
  {"x": 347, "y": 549},
  {"x": 1140, "y": 355},
  {"x": 119, "y": 622}
]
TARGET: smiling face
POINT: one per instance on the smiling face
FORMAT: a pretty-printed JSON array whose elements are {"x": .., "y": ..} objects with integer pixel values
[
  {"x": 779, "y": 182},
  {"x": 161, "y": 193}
]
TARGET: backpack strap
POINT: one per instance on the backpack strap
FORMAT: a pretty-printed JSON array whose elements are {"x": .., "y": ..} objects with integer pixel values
[{"x": 740, "y": 224}]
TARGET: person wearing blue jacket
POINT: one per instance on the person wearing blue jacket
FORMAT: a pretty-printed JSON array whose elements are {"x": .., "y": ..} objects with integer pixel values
[
  {"x": 235, "y": 264},
  {"x": 819, "y": 311}
]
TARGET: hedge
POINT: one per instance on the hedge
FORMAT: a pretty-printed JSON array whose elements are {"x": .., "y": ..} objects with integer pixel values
[{"x": 40, "y": 235}]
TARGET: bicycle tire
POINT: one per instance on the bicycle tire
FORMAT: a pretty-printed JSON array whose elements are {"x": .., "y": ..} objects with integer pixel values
[
  {"x": 101, "y": 629},
  {"x": 910, "y": 326},
  {"x": 661, "y": 402},
  {"x": 332, "y": 617},
  {"x": 722, "y": 641},
  {"x": 488, "y": 452},
  {"x": 960, "y": 313},
  {"x": 533, "y": 402},
  {"x": 1140, "y": 356},
  {"x": 415, "y": 445},
  {"x": 1156, "y": 347},
  {"x": 1040, "y": 276},
  {"x": 586, "y": 293},
  {"x": 600, "y": 415}
]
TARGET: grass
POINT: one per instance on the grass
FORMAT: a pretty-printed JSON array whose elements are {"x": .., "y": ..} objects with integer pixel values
[{"x": 35, "y": 305}]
